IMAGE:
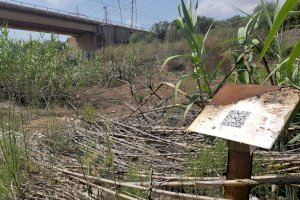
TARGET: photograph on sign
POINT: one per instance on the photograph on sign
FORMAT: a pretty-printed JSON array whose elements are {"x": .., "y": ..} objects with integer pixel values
[{"x": 253, "y": 115}]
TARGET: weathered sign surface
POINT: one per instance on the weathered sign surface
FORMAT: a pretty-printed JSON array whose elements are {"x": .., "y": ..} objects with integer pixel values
[{"x": 256, "y": 115}]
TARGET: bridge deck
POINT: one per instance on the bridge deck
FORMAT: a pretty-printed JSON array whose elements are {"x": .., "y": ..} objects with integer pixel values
[
  {"x": 88, "y": 33},
  {"x": 46, "y": 20}
]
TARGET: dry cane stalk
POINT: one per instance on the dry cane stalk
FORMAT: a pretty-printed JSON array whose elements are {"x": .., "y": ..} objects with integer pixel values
[{"x": 134, "y": 186}]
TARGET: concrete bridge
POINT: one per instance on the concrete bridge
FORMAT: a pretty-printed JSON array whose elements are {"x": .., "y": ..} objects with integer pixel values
[{"x": 86, "y": 33}]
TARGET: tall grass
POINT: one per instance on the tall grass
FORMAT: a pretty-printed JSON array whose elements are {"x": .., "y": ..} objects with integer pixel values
[
  {"x": 36, "y": 72},
  {"x": 42, "y": 72},
  {"x": 10, "y": 155}
]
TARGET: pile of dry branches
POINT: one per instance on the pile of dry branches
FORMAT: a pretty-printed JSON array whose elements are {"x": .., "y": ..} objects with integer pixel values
[{"x": 106, "y": 153}]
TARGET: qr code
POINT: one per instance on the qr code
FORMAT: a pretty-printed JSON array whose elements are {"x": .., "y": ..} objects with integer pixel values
[{"x": 236, "y": 118}]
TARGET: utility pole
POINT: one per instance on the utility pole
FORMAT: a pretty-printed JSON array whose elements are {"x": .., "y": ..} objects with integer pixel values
[
  {"x": 120, "y": 12},
  {"x": 132, "y": 13},
  {"x": 77, "y": 10},
  {"x": 135, "y": 12},
  {"x": 105, "y": 14},
  {"x": 105, "y": 11}
]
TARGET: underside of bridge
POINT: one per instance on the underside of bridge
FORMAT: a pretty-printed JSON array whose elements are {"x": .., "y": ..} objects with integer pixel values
[
  {"x": 106, "y": 35},
  {"x": 85, "y": 33}
]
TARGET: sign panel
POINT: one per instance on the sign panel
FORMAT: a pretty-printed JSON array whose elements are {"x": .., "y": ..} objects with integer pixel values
[{"x": 256, "y": 120}]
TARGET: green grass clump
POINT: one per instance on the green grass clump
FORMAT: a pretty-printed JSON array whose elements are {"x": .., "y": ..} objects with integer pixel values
[
  {"x": 133, "y": 176},
  {"x": 11, "y": 156},
  {"x": 207, "y": 161},
  {"x": 9, "y": 166},
  {"x": 89, "y": 113},
  {"x": 56, "y": 138}
]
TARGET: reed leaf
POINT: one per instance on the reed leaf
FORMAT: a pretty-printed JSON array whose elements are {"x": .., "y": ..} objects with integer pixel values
[{"x": 281, "y": 16}]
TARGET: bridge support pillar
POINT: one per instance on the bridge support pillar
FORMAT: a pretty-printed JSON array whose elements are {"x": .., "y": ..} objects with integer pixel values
[{"x": 86, "y": 41}]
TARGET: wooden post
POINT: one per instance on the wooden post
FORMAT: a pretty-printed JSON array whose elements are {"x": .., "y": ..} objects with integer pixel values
[{"x": 239, "y": 167}]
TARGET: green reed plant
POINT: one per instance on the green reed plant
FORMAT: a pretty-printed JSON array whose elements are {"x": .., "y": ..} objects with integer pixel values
[
  {"x": 204, "y": 77},
  {"x": 285, "y": 70},
  {"x": 187, "y": 24},
  {"x": 281, "y": 68},
  {"x": 207, "y": 159},
  {"x": 133, "y": 176},
  {"x": 244, "y": 56},
  {"x": 41, "y": 72},
  {"x": 10, "y": 155},
  {"x": 286, "y": 66},
  {"x": 10, "y": 166}
]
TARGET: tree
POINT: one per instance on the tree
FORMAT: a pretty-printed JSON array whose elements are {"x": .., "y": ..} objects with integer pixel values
[
  {"x": 160, "y": 29},
  {"x": 203, "y": 24},
  {"x": 236, "y": 21},
  {"x": 141, "y": 37}
]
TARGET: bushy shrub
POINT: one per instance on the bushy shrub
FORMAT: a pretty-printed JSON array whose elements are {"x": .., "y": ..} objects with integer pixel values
[
  {"x": 142, "y": 37},
  {"x": 160, "y": 29}
]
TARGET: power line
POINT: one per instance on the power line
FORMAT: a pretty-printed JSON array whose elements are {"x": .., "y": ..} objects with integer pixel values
[{"x": 127, "y": 7}]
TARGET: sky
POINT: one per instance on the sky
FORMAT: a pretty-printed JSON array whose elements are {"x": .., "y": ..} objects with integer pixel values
[{"x": 148, "y": 12}]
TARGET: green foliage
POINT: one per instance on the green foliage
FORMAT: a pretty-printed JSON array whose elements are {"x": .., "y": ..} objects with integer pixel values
[
  {"x": 270, "y": 7},
  {"x": 87, "y": 161},
  {"x": 58, "y": 143},
  {"x": 109, "y": 157},
  {"x": 297, "y": 134},
  {"x": 275, "y": 26},
  {"x": 295, "y": 139},
  {"x": 10, "y": 166},
  {"x": 9, "y": 120},
  {"x": 244, "y": 56},
  {"x": 125, "y": 62},
  {"x": 160, "y": 29},
  {"x": 207, "y": 161},
  {"x": 10, "y": 156},
  {"x": 286, "y": 67},
  {"x": 235, "y": 19},
  {"x": 173, "y": 34},
  {"x": 203, "y": 24},
  {"x": 292, "y": 66},
  {"x": 283, "y": 70},
  {"x": 35, "y": 72},
  {"x": 170, "y": 32},
  {"x": 293, "y": 19},
  {"x": 142, "y": 37},
  {"x": 187, "y": 24},
  {"x": 292, "y": 193},
  {"x": 89, "y": 113},
  {"x": 133, "y": 176}
]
